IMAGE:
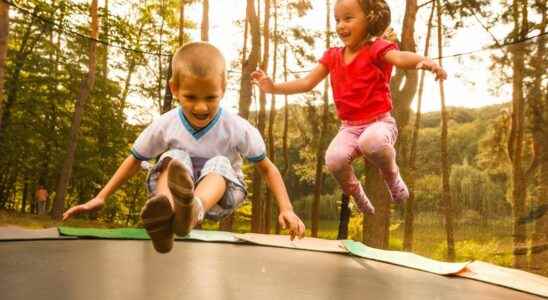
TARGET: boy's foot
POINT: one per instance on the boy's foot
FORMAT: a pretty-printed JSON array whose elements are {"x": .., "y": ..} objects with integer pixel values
[
  {"x": 363, "y": 203},
  {"x": 397, "y": 188},
  {"x": 157, "y": 216},
  {"x": 186, "y": 207}
]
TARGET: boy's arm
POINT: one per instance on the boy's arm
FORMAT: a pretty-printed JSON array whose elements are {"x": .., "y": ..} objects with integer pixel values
[
  {"x": 287, "y": 218},
  {"x": 127, "y": 169},
  {"x": 300, "y": 85},
  {"x": 411, "y": 60}
]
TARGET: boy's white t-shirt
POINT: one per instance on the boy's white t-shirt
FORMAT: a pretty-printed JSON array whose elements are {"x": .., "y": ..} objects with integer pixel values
[{"x": 227, "y": 134}]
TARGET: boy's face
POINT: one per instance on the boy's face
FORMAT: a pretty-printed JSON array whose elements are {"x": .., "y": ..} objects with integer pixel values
[
  {"x": 351, "y": 23},
  {"x": 199, "y": 98}
]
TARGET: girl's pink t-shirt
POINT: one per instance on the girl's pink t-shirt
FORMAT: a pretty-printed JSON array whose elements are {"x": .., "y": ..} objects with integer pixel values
[{"x": 361, "y": 89}]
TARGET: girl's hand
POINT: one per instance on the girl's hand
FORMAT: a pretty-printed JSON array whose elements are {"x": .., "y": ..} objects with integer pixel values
[
  {"x": 92, "y": 205},
  {"x": 289, "y": 220},
  {"x": 264, "y": 82},
  {"x": 433, "y": 67}
]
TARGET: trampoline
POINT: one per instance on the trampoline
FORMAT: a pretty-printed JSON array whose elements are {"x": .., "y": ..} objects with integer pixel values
[{"x": 44, "y": 265}]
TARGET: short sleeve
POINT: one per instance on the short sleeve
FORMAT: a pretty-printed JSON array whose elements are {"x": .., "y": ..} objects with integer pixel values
[
  {"x": 150, "y": 142},
  {"x": 327, "y": 58},
  {"x": 251, "y": 144},
  {"x": 380, "y": 47}
]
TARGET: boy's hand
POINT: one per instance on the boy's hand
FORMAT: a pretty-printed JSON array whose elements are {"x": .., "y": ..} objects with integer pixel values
[
  {"x": 92, "y": 205},
  {"x": 264, "y": 82},
  {"x": 289, "y": 220},
  {"x": 433, "y": 67}
]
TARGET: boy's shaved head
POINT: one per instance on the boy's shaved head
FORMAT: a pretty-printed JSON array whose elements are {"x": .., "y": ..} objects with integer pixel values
[{"x": 199, "y": 59}]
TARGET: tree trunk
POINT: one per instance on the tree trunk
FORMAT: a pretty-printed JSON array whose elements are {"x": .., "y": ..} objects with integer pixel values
[
  {"x": 168, "y": 97},
  {"x": 516, "y": 142},
  {"x": 410, "y": 204},
  {"x": 539, "y": 240},
  {"x": 4, "y": 32},
  {"x": 447, "y": 207},
  {"x": 402, "y": 97},
  {"x": 205, "y": 21},
  {"x": 285, "y": 170},
  {"x": 181, "y": 22},
  {"x": 251, "y": 63},
  {"x": 271, "y": 120},
  {"x": 106, "y": 38},
  {"x": 257, "y": 179},
  {"x": 323, "y": 131},
  {"x": 85, "y": 90}
]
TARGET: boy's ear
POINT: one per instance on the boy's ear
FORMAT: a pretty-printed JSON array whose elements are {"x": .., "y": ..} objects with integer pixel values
[{"x": 173, "y": 87}]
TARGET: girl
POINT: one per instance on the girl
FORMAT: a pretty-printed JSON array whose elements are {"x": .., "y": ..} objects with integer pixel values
[{"x": 360, "y": 76}]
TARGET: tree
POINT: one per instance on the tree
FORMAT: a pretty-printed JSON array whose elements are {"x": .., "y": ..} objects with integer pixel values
[
  {"x": 251, "y": 63},
  {"x": 85, "y": 90},
  {"x": 322, "y": 135},
  {"x": 4, "y": 32},
  {"x": 447, "y": 207},
  {"x": 539, "y": 107},
  {"x": 409, "y": 205},
  {"x": 205, "y": 21}
]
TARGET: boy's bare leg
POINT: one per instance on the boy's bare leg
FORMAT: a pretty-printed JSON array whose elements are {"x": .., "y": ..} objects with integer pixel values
[
  {"x": 157, "y": 216},
  {"x": 210, "y": 190}
]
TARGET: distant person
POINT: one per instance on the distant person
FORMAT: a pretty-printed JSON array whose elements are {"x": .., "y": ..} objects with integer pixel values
[
  {"x": 360, "y": 75},
  {"x": 41, "y": 198},
  {"x": 199, "y": 173}
]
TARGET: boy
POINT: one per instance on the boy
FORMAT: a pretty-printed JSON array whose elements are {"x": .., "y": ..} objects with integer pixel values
[{"x": 200, "y": 173}]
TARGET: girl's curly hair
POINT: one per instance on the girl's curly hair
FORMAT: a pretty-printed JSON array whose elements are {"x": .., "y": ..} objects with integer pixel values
[{"x": 377, "y": 14}]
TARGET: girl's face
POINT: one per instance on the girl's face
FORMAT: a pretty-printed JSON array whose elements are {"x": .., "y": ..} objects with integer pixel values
[{"x": 351, "y": 23}]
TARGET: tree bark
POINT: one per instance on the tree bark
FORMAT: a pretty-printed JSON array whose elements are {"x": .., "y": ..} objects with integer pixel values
[
  {"x": 4, "y": 34},
  {"x": 85, "y": 90},
  {"x": 539, "y": 239},
  {"x": 321, "y": 139},
  {"x": 205, "y": 21},
  {"x": 251, "y": 63},
  {"x": 410, "y": 204},
  {"x": 447, "y": 207},
  {"x": 181, "y": 22}
]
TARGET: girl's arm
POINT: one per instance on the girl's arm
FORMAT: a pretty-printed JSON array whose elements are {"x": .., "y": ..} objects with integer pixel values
[
  {"x": 411, "y": 60},
  {"x": 300, "y": 85},
  {"x": 287, "y": 218}
]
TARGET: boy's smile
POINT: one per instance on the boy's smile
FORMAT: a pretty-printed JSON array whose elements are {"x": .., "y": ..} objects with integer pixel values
[{"x": 199, "y": 98}]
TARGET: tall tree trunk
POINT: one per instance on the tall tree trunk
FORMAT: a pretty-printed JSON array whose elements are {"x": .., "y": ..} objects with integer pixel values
[
  {"x": 539, "y": 239},
  {"x": 447, "y": 206},
  {"x": 106, "y": 38},
  {"x": 251, "y": 63},
  {"x": 131, "y": 69},
  {"x": 181, "y": 22},
  {"x": 205, "y": 21},
  {"x": 168, "y": 97},
  {"x": 85, "y": 91},
  {"x": 321, "y": 139},
  {"x": 410, "y": 204},
  {"x": 516, "y": 142},
  {"x": 4, "y": 32},
  {"x": 403, "y": 87},
  {"x": 258, "y": 201},
  {"x": 285, "y": 170},
  {"x": 271, "y": 119}
]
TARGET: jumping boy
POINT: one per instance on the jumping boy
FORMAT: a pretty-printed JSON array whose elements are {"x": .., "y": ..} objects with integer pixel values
[{"x": 199, "y": 173}]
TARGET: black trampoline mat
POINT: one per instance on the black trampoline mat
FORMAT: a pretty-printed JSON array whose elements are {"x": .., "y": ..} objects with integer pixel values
[{"x": 118, "y": 269}]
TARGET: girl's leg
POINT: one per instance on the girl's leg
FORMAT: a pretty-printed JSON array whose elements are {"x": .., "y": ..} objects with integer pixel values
[
  {"x": 377, "y": 145},
  {"x": 338, "y": 158}
]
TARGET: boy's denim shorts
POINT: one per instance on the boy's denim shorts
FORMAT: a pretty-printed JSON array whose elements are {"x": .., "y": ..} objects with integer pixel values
[{"x": 235, "y": 191}]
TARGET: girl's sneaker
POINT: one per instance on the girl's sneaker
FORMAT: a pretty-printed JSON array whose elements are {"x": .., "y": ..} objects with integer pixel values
[{"x": 397, "y": 188}]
